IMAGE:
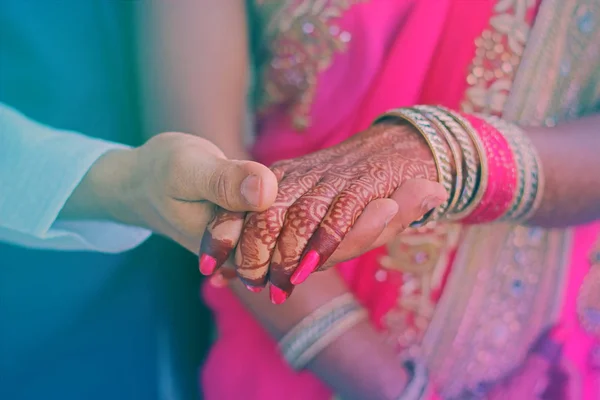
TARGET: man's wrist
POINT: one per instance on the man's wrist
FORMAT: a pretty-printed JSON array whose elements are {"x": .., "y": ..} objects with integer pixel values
[{"x": 105, "y": 192}]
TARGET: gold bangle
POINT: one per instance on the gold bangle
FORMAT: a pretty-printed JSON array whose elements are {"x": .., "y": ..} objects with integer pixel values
[
  {"x": 319, "y": 329},
  {"x": 455, "y": 152},
  {"x": 342, "y": 300},
  {"x": 439, "y": 151},
  {"x": 538, "y": 179},
  {"x": 483, "y": 174},
  {"x": 470, "y": 158},
  {"x": 336, "y": 330}
]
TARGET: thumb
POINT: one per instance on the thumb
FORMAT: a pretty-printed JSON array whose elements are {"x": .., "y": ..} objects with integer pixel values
[
  {"x": 238, "y": 185},
  {"x": 415, "y": 198}
]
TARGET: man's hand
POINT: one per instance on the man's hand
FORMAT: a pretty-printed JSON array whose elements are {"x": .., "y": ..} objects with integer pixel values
[{"x": 170, "y": 185}]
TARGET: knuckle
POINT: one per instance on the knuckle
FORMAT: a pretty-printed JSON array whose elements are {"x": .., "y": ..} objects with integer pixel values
[
  {"x": 220, "y": 185},
  {"x": 282, "y": 164},
  {"x": 194, "y": 226}
]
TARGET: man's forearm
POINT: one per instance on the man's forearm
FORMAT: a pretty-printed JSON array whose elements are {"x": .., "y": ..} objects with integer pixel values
[{"x": 42, "y": 170}]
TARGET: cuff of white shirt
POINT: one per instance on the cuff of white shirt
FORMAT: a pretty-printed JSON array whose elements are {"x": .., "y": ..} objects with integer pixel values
[{"x": 46, "y": 166}]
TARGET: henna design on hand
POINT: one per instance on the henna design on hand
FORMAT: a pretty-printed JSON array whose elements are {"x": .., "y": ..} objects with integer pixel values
[
  {"x": 219, "y": 239},
  {"x": 320, "y": 197}
]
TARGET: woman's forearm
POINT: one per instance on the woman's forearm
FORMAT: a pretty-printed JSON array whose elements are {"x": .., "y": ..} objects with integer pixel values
[
  {"x": 357, "y": 365},
  {"x": 360, "y": 365},
  {"x": 196, "y": 63},
  {"x": 570, "y": 157}
]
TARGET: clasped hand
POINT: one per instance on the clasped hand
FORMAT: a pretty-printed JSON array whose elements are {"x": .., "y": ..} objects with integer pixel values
[{"x": 331, "y": 206}]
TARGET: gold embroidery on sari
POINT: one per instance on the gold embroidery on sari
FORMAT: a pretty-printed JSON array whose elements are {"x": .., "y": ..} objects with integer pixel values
[
  {"x": 588, "y": 305},
  {"x": 588, "y": 301},
  {"x": 497, "y": 57},
  {"x": 565, "y": 46},
  {"x": 505, "y": 288},
  {"x": 305, "y": 37},
  {"x": 422, "y": 258}
]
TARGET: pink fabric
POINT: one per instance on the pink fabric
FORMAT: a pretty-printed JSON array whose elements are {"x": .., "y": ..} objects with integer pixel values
[
  {"x": 403, "y": 52},
  {"x": 578, "y": 343},
  {"x": 362, "y": 76}
]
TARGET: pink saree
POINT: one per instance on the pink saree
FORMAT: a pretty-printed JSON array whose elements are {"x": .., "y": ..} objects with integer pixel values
[{"x": 472, "y": 305}]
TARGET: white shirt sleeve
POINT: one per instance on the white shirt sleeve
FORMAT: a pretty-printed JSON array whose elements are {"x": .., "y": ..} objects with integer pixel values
[{"x": 40, "y": 167}]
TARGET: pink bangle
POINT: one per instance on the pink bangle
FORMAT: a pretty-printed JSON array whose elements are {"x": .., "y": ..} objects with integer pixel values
[{"x": 502, "y": 174}]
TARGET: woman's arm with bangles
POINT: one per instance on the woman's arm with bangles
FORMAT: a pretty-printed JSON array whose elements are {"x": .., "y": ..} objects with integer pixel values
[{"x": 505, "y": 161}]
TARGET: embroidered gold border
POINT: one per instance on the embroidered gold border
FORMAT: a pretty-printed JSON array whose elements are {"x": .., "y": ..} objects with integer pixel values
[
  {"x": 505, "y": 289},
  {"x": 463, "y": 335},
  {"x": 559, "y": 70}
]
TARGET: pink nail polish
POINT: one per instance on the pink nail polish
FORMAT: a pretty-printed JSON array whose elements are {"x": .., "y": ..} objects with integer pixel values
[
  {"x": 254, "y": 289},
  {"x": 307, "y": 266},
  {"x": 278, "y": 296},
  {"x": 207, "y": 264}
]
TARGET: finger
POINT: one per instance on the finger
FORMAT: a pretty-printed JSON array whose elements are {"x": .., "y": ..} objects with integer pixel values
[
  {"x": 415, "y": 198},
  {"x": 222, "y": 235},
  {"x": 223, "y": 276},
  {"x": 233, "y": 185},
  {"x": 261, "y": 230},
  {"x": 219, "y": 239},
  {"x": 301, "y": 221},
  {"x": 361, "y": 238},
  {"x": 338, "y": 221},
  {"x": 382, "y": 219}
]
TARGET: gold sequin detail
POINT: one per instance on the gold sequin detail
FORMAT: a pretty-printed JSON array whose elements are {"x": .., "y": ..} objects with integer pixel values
[
  {"x": 565, "y": 49},
  {"x": 421, "y": 256},
  {"x": 505, "y": 288},
  {"x": 497, "y": 57},
  {"x": 304, "y": 38}
]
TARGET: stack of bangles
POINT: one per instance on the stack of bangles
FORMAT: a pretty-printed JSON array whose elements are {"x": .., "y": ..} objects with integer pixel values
[
  {"x": 488, "y": 166},
  {"x": 491, "y": 171}
]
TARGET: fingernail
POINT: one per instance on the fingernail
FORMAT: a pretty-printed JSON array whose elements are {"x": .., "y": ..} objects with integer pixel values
[
  {"x": 254, "y": 289},
  {"x": 277, "y": 295},
  {"x": 218, "y": 281},
  {"x": 251, "y": 190},
  {"x": 307, "y": 266},
  {"x": 430, "y": 203},
  {"x": 207, "y": 264}
]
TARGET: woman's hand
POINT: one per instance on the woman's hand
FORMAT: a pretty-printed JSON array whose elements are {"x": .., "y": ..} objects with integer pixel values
[{"x": 321, "y": 196}]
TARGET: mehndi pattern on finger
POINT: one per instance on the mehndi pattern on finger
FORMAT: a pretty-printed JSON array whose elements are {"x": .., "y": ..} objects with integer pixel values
[{"x": 219, "y": 239}]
